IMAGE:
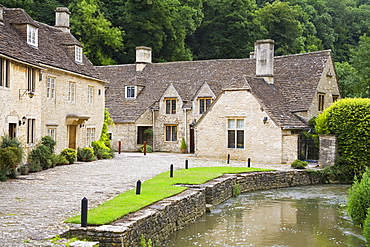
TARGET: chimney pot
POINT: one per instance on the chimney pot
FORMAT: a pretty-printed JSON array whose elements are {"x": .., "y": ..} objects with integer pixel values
[
  {"x": 264, "y": 53},
  {"x": 143, "y": 57},
  {"x": 1, "y": 13},
  {"x": 62, "y": 18}
]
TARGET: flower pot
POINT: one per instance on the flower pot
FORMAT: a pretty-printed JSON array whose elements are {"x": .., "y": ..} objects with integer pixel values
[{"x": 24, "y": 170}]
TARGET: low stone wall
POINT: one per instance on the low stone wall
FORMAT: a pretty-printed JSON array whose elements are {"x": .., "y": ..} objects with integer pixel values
[{"x": 158, "y": 221}]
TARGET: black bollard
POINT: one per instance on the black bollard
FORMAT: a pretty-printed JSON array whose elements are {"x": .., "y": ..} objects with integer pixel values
[
  {"x": 138, "y": 187},
  {"x": 228, "y": 159},
  {"x": 84, "y": 212},
  {"x": 186, "y": 164},
  {"x": 249, "y": 162},
  {"x": 171, "y": 170}
]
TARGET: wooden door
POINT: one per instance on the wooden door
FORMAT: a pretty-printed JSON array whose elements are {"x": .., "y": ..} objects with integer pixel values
[{"x": 72, "y": 136}]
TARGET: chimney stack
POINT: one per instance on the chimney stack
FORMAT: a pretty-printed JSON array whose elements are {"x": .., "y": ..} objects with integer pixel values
[
  {"x": 62, "y": 18},
  {"x": 1, "y": 14},
  {"x": 143, "y": 57},
  {"x": 264, "y": 53}
]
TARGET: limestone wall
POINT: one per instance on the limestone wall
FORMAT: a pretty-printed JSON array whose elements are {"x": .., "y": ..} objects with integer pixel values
[
  {"x": 158, "y": 221},
  {"x": 328, "y": 150}
]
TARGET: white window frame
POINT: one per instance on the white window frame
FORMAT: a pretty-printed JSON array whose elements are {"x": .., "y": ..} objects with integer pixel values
[
  {"x": 4, "y": 72},
  {"x": 90, "y": 135},
  {"x": 31, "y": 128},
  {"x": 170, "y": 105},
  {"x": 32, "y": 35},
  {"x": 170, "y": 136},
  {"x": 235, "y": 126},
  {"x": 71, "y": 92},
  {"x": 31, "y": 79},
  {"x": 52, "y": 132},
  {"x": 129, "y": 94},
  {"x": 50, "y": 88},
  {"x": 90, "y": 95},
  {"x": 78, "y": 54}
]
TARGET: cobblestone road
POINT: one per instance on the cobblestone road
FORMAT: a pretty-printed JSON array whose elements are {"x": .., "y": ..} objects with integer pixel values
[{"x": 33, "y": 207}]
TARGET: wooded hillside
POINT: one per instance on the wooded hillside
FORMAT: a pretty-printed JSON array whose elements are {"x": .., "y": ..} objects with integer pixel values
[{"x": 208, "y": 29}]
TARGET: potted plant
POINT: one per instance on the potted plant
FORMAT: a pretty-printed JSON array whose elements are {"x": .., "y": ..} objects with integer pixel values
[
  {"x": 183, "y": 146},
  {"x": 148, "y": 132},
  {"x": 24, "y": 169}
]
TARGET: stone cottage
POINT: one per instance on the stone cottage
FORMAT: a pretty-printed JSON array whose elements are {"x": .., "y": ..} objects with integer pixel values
[
  {"x": 248, "y": 108},
  {"x": 47, "y": 85}
]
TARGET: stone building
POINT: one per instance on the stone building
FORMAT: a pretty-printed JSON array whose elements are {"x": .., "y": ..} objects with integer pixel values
[
  {"x": 47, "y": 85},
  {"x": 248, "y": 108}
]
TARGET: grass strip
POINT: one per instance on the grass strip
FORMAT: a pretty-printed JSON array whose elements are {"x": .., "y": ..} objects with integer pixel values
[{"x": 153, "y": 190}]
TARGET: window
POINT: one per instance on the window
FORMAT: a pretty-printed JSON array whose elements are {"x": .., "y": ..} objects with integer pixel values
[
  {"x": 204, "y": 104},
  {"x": 31, "y": 130},
  {"x": 50, "y": 88},
  {"x": 321, "y": 101},
  {"x": 4, "y": 72},
  {"x": 90, "y": 95},
  {"x": 78, "y": 54},
  {"x": 32, "y": 35},
  {"x": 90, "y": 136},
  {"x": 71, "y": 91},
  {"x": 130, "y": 92},
  {"x": 235, "y": 133},
  {"x": 170, "y": 106},
  {"x": 52, "y": 133},
  {"x": 31, "y": 79},
  {"x": 335, "y": 98},
  {"x": 171, "y": 133}
]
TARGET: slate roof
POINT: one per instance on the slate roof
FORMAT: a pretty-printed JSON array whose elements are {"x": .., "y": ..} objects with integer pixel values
[
  {"x": 296, "y": 79},
  {"x": 52, "y": 44}
]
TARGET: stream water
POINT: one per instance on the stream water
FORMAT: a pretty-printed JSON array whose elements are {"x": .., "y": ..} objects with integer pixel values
[{"x": 296, "y": 217}]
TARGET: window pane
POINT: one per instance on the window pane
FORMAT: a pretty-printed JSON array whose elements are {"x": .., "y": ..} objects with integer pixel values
[
  {"x": 240, "y": 124},
  {"x": 208, "y": 103},
  {"x": 168, "y": 133},
  {"x": 1, "y": 72},
  {"x": 201, "y": 106},
  {"x": 240, "y": 139},
  {"x": 168, "y": 106},
  {"x": 173, "y": 106},
  {"x": 231, "y": 124},
  {"x": 231, "y": 138},
  {"x": 174, "y": 133}
]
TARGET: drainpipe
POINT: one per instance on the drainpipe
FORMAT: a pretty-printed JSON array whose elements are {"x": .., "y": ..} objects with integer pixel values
[
  {"x": 186, "y": 127},
  {"x": 153, "y": 119}
]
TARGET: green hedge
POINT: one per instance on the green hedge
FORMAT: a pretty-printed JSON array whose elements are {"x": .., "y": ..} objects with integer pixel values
[{"x": 349, "y": 120}]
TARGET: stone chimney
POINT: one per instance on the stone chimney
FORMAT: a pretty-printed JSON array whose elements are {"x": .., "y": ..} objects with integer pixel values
[
  {"x": 62, "y": 18},
  {"x": 264, "y": 53},
  {"x": 1, "y": 14},
  {"x": 143, "y": 57}
]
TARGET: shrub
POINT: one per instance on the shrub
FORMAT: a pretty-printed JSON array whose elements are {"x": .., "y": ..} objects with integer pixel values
[
  {"x": 35, "y": 167},
  {"x": 236, "y": 190},
  {"x": 339, "y": 172},
  {"x": 366, "y": 230},
  {"x": 183, "y": 144},
  {"x": 61, "y": 160},
  {"x": 70, "y": 154},
  {"x": 49, "y": 142},
  {"x": 7, "y": 141},
  {"x": 101, "y": 150},
  {"x": 42, "y": 156},
  {"x": 148, "y": 149},
  {"x": 358, "y": 201},
  {"x": 349, "y": 120},
  {"x": 298, "y": 164},
  {"x": 10, "y": 157},
  {"x": 85, "y": 154}
]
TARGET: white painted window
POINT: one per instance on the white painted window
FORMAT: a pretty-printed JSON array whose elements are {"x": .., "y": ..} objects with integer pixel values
[
  {"x": 235, "y": 133},
  {"x": 32, "y": 35},
  {"x": 31, "y": 128},
  {"x": 4, "y": 72},
  {"x": 78, "y": 54},
  {"x": 52, "y": 132},
  {"x": 171, "y": 106},
  {"x": 71, "y": 92},
  {"x": 90, "y": 95},
  {"x": 90, "y": 136},
  {"x": 130, "y": 92},
  {"x": 50, "y": 88},
  {"x": 31, "y": 79},
  {"x": 171, "y": 133}
]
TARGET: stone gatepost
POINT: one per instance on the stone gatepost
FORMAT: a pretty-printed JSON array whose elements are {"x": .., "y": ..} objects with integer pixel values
[{"x": 328, "y": 150}]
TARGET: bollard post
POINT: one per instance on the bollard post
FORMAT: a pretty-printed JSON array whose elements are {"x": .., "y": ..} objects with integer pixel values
[
  {"x": 144, "y": 147},
  {"x": 186, "y": 164},
  {"x": 171, "y": 170},
  {"x": 119, "y": 147},
  {"x": 138, "y": 187},
  {"x": 84, "y": 212},
  {"x": 249, "y": 162},
  {"x": 228, "y": 159}
]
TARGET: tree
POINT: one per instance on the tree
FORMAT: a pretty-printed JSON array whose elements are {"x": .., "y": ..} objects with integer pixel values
[
  {"x": 96, "y": 33},
  {"x": 361, "y": 62},
  {"x": 347, "y": 80},
  {"x": 229, "y": 30},
  {"x": 349, "y": 120}
]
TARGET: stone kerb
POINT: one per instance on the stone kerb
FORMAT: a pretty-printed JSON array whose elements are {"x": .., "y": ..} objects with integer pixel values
[{"x": 159, "y": 220}]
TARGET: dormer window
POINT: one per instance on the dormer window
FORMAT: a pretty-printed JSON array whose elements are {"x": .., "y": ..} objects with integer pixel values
[
  {"x": 78, "y": 54},
  {"x": 32, "y": 35},
  {"x": 130, "y": 92}
]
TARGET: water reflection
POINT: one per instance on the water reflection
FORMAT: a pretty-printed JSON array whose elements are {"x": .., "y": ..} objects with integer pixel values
[{"x": 300, "y": 216}]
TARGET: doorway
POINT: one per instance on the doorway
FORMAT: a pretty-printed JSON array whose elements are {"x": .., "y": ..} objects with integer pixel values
[
  {"x": 12, "y": 130},
  {"x": 72, "y": 136}
]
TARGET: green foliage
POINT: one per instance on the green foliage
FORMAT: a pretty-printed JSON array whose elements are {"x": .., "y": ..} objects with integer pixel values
[
  {"x": 183, "y": 144},
  {"x": 85, "y": 154},
  {"x": 149, "y": 148},
  {"x": 70, "y": 154},
  {"x": 236, "y": 190},
  {"x": 7, "y": 141},
  {"x": 366, "y": 230},
  {"x": 298, "y": 164},
  {"x": 42, "y": 156},
  {"x": 349, "y": 120},
  {"x": 61, "y": 160},
  {"x": 144, "y": 243},
  {"x": 153, "y": 190},
  {"x": 105, "y": 136},
  {"x": 10, "y": 157},
  {"x": 358, "y": 202},
  {"x": 49, "y": 142},
  {"x": 338, "y": 172}
]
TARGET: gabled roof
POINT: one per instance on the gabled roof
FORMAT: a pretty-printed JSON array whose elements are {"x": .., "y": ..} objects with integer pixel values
[
  {"x": 52, "y": 47},
  {"x": 296, "y": 79}
]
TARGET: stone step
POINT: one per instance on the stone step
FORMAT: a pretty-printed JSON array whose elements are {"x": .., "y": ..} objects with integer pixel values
[{"x": 84, "y": 244}]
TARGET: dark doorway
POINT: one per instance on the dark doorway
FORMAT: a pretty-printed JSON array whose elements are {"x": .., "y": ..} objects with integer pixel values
[
  {"x": 145, "y": 133},
  {"x": 12, "y": 130},
  {"x": 308, "y": 146},
  {"x": 192, "y": 140}
]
